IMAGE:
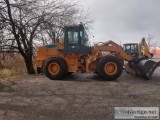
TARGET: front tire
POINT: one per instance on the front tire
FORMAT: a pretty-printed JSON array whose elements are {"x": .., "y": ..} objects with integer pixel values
[
  {"x": 55, "y": 68},
  {"x": 110, "y": 68}
]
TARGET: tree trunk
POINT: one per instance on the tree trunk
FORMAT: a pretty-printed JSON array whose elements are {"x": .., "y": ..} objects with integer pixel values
[{"x": 29, "y": 65}]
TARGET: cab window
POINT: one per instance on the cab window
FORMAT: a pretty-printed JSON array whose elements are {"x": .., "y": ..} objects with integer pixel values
[{"x": 72, "y": 36}]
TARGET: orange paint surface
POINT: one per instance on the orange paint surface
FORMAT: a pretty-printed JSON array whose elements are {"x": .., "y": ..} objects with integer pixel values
[{"x": 156, "y": 51}]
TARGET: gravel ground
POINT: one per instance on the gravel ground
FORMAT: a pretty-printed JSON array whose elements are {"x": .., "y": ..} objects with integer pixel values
[{"x": 77, "y": 97}]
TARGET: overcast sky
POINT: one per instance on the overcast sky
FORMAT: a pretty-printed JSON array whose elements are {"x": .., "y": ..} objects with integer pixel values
[{"x": 124, "y": 20}]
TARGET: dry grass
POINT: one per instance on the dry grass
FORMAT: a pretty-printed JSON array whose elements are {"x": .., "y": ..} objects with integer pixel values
[{"x": 12, "y": 66}]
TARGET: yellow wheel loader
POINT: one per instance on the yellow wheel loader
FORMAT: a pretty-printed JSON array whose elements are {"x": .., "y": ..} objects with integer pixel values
[{"x": 74, "y": 54}]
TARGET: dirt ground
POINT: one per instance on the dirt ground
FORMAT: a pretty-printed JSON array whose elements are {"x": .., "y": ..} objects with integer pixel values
[{"x": 77, "y": 97}]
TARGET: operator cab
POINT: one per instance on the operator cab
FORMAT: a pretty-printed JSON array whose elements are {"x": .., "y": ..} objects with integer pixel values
[
  {"x": 131, "y": 49},
  {"x": 76, "y": 40}
]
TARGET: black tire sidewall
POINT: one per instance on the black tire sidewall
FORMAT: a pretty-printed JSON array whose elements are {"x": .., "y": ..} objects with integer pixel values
[{"x": 102, "y": 64}]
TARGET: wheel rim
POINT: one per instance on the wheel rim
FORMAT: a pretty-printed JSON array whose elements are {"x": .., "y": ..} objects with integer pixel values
[
  {"x": 110, "y": 68},
  {"x": 54, "y": 68}
]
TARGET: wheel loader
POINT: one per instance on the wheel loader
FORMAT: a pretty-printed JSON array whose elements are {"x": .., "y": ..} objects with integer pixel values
[{"x": 73, "y": 53}]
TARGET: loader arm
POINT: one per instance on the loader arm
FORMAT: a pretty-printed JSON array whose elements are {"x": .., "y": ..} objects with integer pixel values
[{"x": 111, "y": 46}]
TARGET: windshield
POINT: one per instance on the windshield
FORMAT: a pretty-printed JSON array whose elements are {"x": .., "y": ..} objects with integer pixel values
[
  {"x": 78, "y": 36},
  {"x": 131, "y": 48},
  {"x": 84, "y": 38},
  {"x": 72, "y": 36}
]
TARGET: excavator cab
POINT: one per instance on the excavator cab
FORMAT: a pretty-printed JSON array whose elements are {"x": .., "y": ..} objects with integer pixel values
[
  {"x": 131, "y": 49},
  {"x": 76, "y": 40}
]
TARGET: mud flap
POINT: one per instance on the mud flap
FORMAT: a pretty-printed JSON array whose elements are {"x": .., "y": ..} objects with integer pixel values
[{"x": 144, "y": 68}]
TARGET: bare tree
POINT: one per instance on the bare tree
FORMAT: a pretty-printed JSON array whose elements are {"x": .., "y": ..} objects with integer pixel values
[
  {"x": 27, "y": 22},
  {"x": 149, "y": 40}
]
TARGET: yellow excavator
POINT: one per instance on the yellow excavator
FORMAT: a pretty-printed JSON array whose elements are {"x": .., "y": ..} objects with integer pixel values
[
  {"x": 73, "y": 53},
  {"x": 138, "y": 50}
]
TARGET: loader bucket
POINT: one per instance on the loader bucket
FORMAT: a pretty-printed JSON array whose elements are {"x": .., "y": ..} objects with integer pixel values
[
  {"x": 147, "y": 67},
  {"x": 144, "y": 68}
]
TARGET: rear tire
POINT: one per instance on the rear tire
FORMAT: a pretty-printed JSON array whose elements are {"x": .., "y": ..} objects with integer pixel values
[
  {"x": 110, "y": 68},
  {"x": 55, "y": 68}
]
